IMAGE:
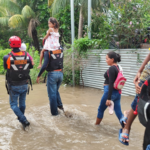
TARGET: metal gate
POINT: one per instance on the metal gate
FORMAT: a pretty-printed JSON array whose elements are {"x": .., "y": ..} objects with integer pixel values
[{"x": 95, "y": 67}]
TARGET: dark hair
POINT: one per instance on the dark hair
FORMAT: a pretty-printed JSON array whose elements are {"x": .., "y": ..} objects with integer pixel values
[
  {"x": 115, "y": 56},
  {"x": 54, "y": 22}
]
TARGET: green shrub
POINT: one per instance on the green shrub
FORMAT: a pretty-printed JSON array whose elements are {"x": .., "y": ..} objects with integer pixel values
[
  {"x": 67, "y": 75},
  {"x": 2, "y": 54},
  {"x": 82, "y": 45}
]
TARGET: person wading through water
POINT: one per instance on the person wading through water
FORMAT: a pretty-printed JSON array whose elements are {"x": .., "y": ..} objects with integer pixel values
[
  {"x": 18, "y": 65},
  {"x": 53, "y": 63}
]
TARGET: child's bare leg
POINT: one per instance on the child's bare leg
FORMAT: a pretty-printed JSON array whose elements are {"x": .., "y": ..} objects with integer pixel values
[
  {"x": 127, "y": 127},
  {"x": 41, "y": 57}
]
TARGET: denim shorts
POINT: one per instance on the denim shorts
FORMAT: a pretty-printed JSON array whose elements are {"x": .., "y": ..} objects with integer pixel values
[{"x": 134, "y": 103}]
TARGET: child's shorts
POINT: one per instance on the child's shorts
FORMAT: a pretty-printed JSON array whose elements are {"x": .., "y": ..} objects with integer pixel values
[{"x": 134, "y": 103}]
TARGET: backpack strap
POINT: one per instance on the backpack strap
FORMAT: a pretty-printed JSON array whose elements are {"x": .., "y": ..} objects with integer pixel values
[
  {"x": 6, "y": 84},
  {"x": 30, "y": 82},
  {"x": 25, "y": 55},
  {"x": 116, "y": 67},
  {"x": 12, "y": 55},
  {"x": 107, "y": 72}
]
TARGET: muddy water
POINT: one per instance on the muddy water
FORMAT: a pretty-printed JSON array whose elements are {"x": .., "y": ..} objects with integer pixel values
[{"x": 60, "y": 133}]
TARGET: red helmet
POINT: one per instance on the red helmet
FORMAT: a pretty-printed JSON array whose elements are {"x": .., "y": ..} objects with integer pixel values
[{"x": 15, "y": 42}]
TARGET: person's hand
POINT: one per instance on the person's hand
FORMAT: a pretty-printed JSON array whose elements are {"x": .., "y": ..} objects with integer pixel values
[
  {"x": 108, "y": 102},
  {"x": 138, "y": 88},
  {"x": 32, "y": 63},
  {"x": 137, "y": 77},
  {"x": 37, "y": 80},
  {"x": 40, "y": 65}
]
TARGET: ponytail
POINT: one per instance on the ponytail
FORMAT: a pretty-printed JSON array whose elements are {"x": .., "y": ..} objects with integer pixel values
[
  {"x": 118, "y": 57},
  {"x": 115, "y": 56}
]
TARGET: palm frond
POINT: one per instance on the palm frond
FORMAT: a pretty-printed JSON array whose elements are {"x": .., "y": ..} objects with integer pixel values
[
  {"x": 14, "y": 1},
  {"x": 3, "y": 12},
  {"x": 50, "y": 2},
  {"x": 96, "y": 4},
  {"x": 32, "y": 26},
  {"x": 59, "y": 4},
  {"x": 16, "y": 21},
  {"x": 10, "y": 5},
  {"x": 27, "y": 12},
  {"x": 4, "y": 21}
]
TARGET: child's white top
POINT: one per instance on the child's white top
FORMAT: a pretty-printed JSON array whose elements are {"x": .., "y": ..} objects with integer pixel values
[{"x": 52, "y": 42}]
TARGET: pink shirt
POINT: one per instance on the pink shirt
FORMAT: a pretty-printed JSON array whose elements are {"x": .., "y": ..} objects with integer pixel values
[{"x": 30, "y": 56}]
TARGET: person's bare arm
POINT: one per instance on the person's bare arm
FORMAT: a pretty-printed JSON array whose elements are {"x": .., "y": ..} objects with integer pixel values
[
  {"x": 147, "y": 59},
  {"x": 48, "y": 33},
  {"x": 41, "y": 58}
]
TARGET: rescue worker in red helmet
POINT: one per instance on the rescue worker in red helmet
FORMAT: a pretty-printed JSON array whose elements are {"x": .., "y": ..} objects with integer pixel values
[{"x": 18, "y": 65}]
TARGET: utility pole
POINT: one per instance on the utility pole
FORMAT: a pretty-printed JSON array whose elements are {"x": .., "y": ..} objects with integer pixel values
[
  {"x": 89, "y": 18},
  {"x": 72, "y": 37}
]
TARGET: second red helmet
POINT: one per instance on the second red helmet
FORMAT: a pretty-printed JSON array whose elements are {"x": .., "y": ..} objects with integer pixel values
[{"x": 15, "y": 42}]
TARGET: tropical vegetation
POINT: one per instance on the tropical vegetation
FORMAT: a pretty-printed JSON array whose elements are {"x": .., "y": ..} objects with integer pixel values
[{"x": 115, "y": 24}]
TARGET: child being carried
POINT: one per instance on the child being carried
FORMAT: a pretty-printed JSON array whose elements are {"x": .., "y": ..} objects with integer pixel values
[{"x": 51, "y": 39}]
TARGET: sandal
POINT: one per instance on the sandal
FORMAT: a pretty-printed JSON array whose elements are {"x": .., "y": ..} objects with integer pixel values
[
  {"x": 122, "y": 120},
  {"x": 121, "y": 137},
  {"x": 111, "y": 108}
]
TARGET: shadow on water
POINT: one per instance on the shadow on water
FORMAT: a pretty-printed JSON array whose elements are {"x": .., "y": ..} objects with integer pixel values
[{"x": 60, "y": 132}]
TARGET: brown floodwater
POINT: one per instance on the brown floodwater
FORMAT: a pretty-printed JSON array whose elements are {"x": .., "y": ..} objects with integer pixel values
[{"x": 49, "y": 132}]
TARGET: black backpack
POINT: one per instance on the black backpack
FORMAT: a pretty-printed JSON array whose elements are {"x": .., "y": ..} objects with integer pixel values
[
  {"x": 144, "y": 102},
  {"x": 144, "y": 111}
]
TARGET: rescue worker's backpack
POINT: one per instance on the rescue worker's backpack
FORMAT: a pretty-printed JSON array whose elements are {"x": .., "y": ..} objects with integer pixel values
[
  {"x": 18, "y": 73},
  {"x": 56, "y": 60}
]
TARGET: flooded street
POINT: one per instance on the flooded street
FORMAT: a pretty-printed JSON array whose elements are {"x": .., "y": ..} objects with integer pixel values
[{"x": 61, "y": 133}]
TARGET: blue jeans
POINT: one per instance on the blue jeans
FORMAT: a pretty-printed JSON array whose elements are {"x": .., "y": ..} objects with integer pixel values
[
  {"x": 115, "y": 97},
  {"x": 148, "y": 147},
  {"x": 54, "y": 80},
  {"x": 18, "y": 92},
  {"x": 134, "y": 103}
]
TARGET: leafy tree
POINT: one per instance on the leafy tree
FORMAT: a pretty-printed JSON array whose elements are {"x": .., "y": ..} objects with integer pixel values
[
  {"x": 129, "y": 20},
  {"x": 15, "y": 16},
  {"x": 64, "y": 19},
  {"x": 50, "y": 2},
  {"x": 82, "y": 5}
]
